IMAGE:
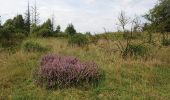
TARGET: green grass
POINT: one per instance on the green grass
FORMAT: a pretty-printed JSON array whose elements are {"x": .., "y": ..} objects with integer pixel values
[{"x": 131, "y": 79}]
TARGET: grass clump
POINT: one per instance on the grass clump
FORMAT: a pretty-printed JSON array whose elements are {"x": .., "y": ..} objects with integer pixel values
[
  {"x": 64, "y": 71},
  {"x": 135, "y": 50},
  {"x": 79, "y": 40},
  {"x": 31, "y": 46},
  {"x": 166, "y": 42}
]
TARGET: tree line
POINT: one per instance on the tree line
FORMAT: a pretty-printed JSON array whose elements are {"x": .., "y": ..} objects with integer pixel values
[{"x": 19, "y": 27}]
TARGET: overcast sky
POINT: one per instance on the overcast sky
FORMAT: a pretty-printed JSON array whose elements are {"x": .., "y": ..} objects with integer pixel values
[{"x": 86, "y": 15}]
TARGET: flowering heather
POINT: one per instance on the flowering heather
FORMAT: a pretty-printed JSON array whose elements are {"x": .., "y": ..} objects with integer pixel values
[{"x": 61, "y": 71}]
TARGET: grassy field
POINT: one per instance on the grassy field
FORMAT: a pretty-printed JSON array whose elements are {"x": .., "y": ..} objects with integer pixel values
[{"x": 130, "y": 79}]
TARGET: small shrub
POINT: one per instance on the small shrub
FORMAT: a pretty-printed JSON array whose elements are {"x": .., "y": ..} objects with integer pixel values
[
  {"x": 135, "y": 50},
  {"x": 31, "y": 46},
  {"x": 61, "y": 35},
  {"x": 79, "y": 40},
  {"x": 166, "y": 42},
  {"x": 11, "y": 40},
  {"x": 44, "y": 32},
  {"x": 59, "y": 71}
]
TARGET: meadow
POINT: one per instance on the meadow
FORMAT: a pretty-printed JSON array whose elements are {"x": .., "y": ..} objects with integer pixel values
[{"x": 141, "y": 78}]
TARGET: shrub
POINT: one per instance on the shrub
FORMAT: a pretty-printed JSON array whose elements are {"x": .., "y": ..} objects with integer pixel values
[
  {"x": 166, "y": 42},
  {"x": 79, "y": 40},
  {"x": 62, "y": 35},
  {"x": 70, "y": 29},
  {"x": 135, "y": 50},
  {"x": 94, "y": 39},
  {"x": 44, "y": 32},
  {"x": 59, "y": 72},
  {"x": 31, "y": 46},
  {"x": 10, "y": 40}
]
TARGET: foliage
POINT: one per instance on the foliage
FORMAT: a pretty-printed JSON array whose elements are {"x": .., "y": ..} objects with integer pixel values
[
  {"x": 166, "y": 42},
  {"x": 44, "y": 30},
  {"x": 70, "y": 29},
  {"x": 8, "y": 38},
  {"x": 135, "y": 50},
  {"x": 58, "y": 29},
  {"x": 31, "y": 46},
  {"x": 15, "y": 25},
  {"x": 59, "y": 71},
  {"x": 19, "y": 24},
  {"x": 62, "y": 35},
  {"x": 159, "y": 16},
  {"x": 79, "y": 40}
]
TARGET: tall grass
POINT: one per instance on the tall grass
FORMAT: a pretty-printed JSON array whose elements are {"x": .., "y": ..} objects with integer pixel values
[{"x": 138, "y": 79}]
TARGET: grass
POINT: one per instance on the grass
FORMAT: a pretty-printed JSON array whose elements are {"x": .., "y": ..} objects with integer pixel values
[{"x": 130, "y": 79}]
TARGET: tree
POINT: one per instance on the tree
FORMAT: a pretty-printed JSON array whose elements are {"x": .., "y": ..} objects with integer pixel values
[
  {"x": 9, "y": 26},
  {"x": 0, "y": 22},
  {"x": 18, "y": 23},
  {"x": 123, "y": 20},
  {"x": 159, "y": 17},
  {"x": 48, "y": 25},
  {"x": 35, "y": 14},
  {"x": 70, "y": 29},
  {"x": 58, "y": 29},
  {"x": 46, "y": 29},
  {"x": 27, "y": 19},
  {"x": 135, "y": 25},
  {"x": 52, "y": 21}
]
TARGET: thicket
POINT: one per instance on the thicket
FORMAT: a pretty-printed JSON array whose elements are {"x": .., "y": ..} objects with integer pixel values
[{"x": 78, "y": 40}]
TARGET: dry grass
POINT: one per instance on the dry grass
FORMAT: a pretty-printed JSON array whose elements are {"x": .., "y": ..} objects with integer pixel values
[{"x": 143, "y": 79}]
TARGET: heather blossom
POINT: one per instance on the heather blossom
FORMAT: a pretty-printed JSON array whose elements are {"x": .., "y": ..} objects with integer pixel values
[{"x": 63, "y": 71}]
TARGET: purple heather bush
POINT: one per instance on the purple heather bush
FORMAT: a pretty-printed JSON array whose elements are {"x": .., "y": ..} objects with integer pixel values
[{"x": 64, "y": 71}]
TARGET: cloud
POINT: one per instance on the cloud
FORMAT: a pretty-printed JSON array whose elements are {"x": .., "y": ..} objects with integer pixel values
[{"x": 86, "y": 15}]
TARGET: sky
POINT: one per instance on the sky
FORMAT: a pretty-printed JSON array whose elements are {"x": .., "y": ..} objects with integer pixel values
[{"x": 86, "y": 15}]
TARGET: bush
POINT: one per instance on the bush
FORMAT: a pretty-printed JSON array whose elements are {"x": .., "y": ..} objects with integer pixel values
[
  {"x": 31, "y": 46},
  {"x": 8, "y": 39},
  {"x": 59, "y": 72},
  {"x": 70, "y": 29},
  {"x": 166, "y": 42},
  {"x": 62, "y": 35},
  {"x": 79, "y": 40},
  {"x": 44, "y": 32},
  {"x": 135, "y": 50}
]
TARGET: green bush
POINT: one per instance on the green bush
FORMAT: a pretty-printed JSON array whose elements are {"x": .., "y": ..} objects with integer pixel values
[
  {"x": 135, "y": 50},
  {"x": 31, "y": 46},
  {"x": 94, "y": 39},
  {"x": 62, "y": 35},
  {"x": 44, "y": 33},
  {"x": 9, "y": 38},
  {"x": 166, "y": 42},
  {"x": 79, "y": 40},
  {"x": 70, "y": 30}
]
